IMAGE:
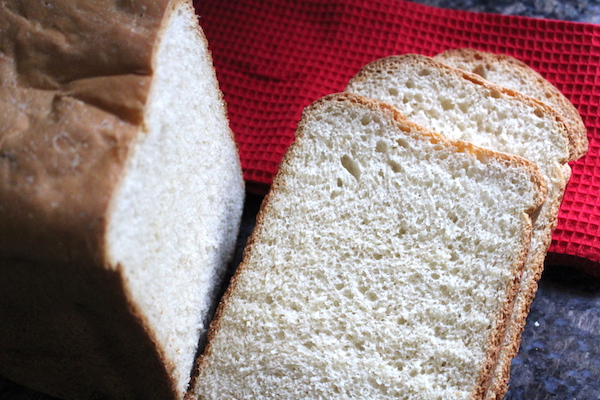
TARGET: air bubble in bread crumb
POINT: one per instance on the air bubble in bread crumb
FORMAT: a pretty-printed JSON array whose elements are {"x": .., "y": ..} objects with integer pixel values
[
  {"x": 496, "y": 94},
  {"x": 481, "y": 71},
  {"x": 397, "y": 168},
  {"x": 464, "y": 106},
  {"x": 447, "y": 104},
  {"x": 381, "y": 147},
  {"x": 351, "y": 166},
  {"x": 403, "y": 143}
]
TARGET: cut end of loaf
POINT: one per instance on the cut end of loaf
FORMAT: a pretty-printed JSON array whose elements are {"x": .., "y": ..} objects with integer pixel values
[
  {"x": 174, "y": 219},
  {"x": 379, "y": 266}
]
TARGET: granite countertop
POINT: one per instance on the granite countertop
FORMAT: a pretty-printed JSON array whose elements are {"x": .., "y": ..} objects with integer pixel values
[
  {"x": 559, "y": 358},
  {"x": 567, "y": 10}
]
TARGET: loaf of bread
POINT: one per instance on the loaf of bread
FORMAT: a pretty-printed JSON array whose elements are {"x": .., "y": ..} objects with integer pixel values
[
  {"x": 513, "y": 74},
  {"x": 383, "y": 265},
  {"x": 120, "y": 198},
  {"x": 463, "y": 106}
]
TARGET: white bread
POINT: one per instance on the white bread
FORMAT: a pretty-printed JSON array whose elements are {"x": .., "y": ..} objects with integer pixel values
[
  {"x": 382, "y": 265},
  {"x": 120, "y": 198},
  {"x": 514, "y": 74},
  {"x": 463, "y": 106}
]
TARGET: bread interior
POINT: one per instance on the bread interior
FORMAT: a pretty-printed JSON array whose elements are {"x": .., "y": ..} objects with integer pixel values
[
  {"x": 483, "y": 114},
  {"x": 174, "y": 219}
]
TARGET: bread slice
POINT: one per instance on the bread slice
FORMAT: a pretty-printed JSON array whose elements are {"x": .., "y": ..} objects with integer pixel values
[
  {"x": 382, "y": 265},
  {"x": 463, "y": 106},
  {"x": 514, "y": 74},
  {"x": 120, "y": 198}
]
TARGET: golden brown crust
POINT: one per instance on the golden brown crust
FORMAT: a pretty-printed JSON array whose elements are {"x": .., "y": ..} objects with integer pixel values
[
  {"x": 69, "y": 132},
  {"x": 494, "y": 346},
  {"x": 483, "y": 61},
  {"x": 103, "y": 338}
]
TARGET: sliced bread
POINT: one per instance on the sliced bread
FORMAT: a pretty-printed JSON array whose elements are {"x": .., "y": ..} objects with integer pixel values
[
  {"x": 463, "y": 106},
  {"x": 120, "y": 198},
  {"x": 383, "y": 265},
  {"x": 514, "y": 74}
]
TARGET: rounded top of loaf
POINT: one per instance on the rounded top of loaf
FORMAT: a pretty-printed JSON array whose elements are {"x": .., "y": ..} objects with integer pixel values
[{"x": 75, "y": 77}]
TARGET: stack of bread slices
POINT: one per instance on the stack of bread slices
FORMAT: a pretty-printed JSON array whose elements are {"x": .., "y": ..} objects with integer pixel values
[{"x": 400, "y": 246}]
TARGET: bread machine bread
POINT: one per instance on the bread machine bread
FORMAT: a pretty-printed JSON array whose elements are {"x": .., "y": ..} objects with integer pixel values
[
  {"x": 514, "y": 74},
  {"x": 120, "y": 196}
]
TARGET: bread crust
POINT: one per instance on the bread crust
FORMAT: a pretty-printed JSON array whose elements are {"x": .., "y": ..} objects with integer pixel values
[
  {"x": 479, "y": 62},
  {"x": 75, "y": 80},
  {"x": 66, "y": 146},
  {"x": 419, "y": 133},
  {"x": 527, "y": 289}
]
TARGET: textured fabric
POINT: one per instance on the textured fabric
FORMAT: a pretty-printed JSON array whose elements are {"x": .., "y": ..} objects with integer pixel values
[{"x": 275, "y": 57}]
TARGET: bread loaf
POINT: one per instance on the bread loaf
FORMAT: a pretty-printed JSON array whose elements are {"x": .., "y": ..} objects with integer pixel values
[
  {"x": 383, "y": 265},
  {"x": 463, "y": 106},
  {"x": 513, "y": 74},
  {"x": 120, "y": 197}
]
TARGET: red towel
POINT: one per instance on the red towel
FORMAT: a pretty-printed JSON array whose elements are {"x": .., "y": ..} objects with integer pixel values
[{"x": 275, "y": 57}]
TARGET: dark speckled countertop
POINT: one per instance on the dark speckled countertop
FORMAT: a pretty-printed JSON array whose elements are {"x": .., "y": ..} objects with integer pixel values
[
  {"x": 559, "y": 358},
  {"x": 567, "y": 10}
]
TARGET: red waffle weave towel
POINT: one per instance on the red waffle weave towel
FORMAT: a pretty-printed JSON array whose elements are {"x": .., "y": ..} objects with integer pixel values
[{"x": 275, "y": 57}]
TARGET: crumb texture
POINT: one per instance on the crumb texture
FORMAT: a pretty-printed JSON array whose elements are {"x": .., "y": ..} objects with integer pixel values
[
  {"x": 176, "y": 215},
  {"x": 516, "y": 75},
  {"x": 465, "y": 107},
  {"x": 442, "y": 100},
  {"x": 377, "y": 270}
]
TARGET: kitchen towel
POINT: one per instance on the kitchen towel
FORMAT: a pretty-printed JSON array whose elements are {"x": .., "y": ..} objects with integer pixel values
[{"x": 275, "y": 57}]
